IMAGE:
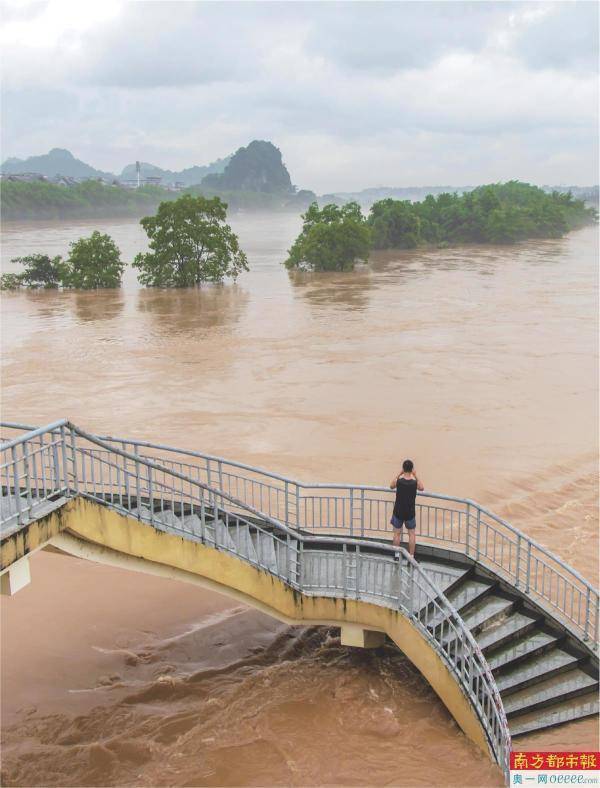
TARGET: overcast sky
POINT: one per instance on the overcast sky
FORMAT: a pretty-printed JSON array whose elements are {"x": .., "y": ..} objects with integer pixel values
[{"x": 354, "y": 94}]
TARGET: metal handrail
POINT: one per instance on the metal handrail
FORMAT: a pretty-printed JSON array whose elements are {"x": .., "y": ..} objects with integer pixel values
[
  {"x": 479, "y": 533},
  {"x": 461, "y": 653}
]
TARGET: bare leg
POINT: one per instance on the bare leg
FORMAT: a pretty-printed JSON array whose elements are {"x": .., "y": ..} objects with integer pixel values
[
  {"x": 412, "y": 541},
  {"x": 397, "y": 537}
]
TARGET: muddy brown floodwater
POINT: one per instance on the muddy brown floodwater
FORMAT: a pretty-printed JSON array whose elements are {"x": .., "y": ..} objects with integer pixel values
[{"x": 479, "y": 363}]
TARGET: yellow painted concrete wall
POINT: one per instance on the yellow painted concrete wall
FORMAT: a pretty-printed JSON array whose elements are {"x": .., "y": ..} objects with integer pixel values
[{"x": 96, "y": 532}]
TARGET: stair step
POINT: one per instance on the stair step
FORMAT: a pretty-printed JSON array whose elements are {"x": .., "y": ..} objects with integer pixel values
[
  {"x": 487, "y": 611},
  {"x": 557, "y": 714},
  {"x": 462, "y": 597},
  {"x": 535, "y": 670},
  {"x": 242, "y": 541},
  {"x": 525, "y": 647},
  {"x": 168, "y": 521},
  {"x": 192, "y": 524},
  {"x": 515, "y": 625},
  {"x": 562, "y": 687},
  {"x": 265, "y": 550},
  {"x": 442, "y": 574}
]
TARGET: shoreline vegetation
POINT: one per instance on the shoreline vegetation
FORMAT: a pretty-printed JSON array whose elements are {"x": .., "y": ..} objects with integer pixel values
[
  {"x": 23, "y": 201},
  {"x": 334, "y": 238},
  {"x": 190, "y": 242}
]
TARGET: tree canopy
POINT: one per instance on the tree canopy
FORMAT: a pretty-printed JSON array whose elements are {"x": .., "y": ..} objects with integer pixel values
[
  {"x": 190, "y": 243},
  {"x": 40, "y": 271},
  {"x": 497, "y": 214},
  {"x": 94, "y": 262},
  {"x": 332, "y": 239}
]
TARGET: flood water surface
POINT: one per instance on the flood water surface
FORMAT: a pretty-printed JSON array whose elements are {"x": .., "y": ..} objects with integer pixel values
[{"x": 479, "y": 363}]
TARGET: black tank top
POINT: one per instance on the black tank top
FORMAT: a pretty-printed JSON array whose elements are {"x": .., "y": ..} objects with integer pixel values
[{"x": 406, "y": 493}]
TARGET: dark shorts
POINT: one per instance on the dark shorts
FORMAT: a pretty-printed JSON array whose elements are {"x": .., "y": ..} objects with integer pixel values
[{"x": 410, "y": 524}]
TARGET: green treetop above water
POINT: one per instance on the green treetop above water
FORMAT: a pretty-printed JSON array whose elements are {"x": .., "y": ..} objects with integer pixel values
[
  {"x": 93, "y": 263},
  {"x": 498, "y": 214},
  {"x": 332, "y": 239},
  {"x": 190, "y": 243}
]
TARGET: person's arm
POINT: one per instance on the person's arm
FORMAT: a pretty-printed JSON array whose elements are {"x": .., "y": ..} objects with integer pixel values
[
  {"x": 420, "y": 485},
  {"x": 394, "y": 482}
]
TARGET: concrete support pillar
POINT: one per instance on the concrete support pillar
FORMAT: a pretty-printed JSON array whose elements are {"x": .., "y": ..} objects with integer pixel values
[
  {"x": 15, "y": 577},
  {"x": 355, "y": 635}
]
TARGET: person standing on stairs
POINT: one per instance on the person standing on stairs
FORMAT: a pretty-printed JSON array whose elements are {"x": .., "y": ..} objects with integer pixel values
[{"x": 406, "y": 485}]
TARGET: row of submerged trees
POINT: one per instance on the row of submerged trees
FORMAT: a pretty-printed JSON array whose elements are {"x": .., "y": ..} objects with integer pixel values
[
  {"x": 334, "y": 238},
  {"x": 191, "y": 243}
]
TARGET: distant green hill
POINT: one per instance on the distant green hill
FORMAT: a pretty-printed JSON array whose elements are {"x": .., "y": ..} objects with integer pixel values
[
  {"x": 58, "y": 161},
  {"x": 255, "y": 168},
  {"x": 253, "y": 179}
]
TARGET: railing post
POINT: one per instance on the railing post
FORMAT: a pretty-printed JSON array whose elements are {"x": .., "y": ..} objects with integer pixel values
[
  {"x": 138, "y": 493},
  {"x": 150, "y": 495},
  {"x": 362, "y": 513},
  {"x": 528, "y": 571},
  {"x": 411, "y": 591},
  {"x": 297, "y": 505},
  {"x": 287, "y": 557},
  {"x": 56, "y": 468},
  {"x": 287, "y": 503},
  {"x": 467, "y": 535},
  {"x": 27, "y": 471},
  {"x": 358, "y": 566},
  {"x": 518, "y": 567},
  {"x": 16, "y": 483},
  {"x": 202, "y": 520},
  {"x": 478, "y": 535},
  {"x": 586, "y": 633},
  {"x": 74, "y": 462},
  {"x": 220, "y": 472},
  {"x": 352, "y": 511},
  {"x": 63, "y": 445},
  {"x": 345, "y": 569}
]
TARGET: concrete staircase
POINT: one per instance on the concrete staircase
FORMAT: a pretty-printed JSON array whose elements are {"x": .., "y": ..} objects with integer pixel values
[{"x": 546, "y": 677}]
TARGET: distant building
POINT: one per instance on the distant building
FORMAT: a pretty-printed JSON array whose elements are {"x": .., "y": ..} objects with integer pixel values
[{"x": 27, "y": 177}]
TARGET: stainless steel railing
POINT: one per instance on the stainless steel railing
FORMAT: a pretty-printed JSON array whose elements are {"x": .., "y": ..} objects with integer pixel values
[
  {"x": 63, "y": 460},
  {"x": 364, "y": 511}
]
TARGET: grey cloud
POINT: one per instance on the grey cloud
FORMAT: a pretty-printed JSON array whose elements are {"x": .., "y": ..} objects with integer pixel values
[
  {"x": 355, "y": 94},
  {"x": 565, "y": 37},
  {"x": 389, "y": 37}
]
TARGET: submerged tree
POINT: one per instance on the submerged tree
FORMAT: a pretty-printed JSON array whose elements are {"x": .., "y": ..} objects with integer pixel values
[
  {"x": 40, "y": 271},
  {"x": 394, "y": 225},
  {"x": 190, "y": 244},
  {"x": 498, "y": 213},
  {"x": 332, "y": 239},
  {"x": 93, "y": 263}
]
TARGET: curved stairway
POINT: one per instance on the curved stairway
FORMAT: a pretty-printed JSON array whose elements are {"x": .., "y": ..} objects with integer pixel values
[
  {"x": 515, "y": 625},
  {"x": 546, "y": 677}
]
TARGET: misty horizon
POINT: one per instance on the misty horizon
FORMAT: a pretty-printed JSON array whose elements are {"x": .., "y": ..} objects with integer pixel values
[
  {"x": 355, "y": 95},
  {"x": 117, "y": 172}
]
